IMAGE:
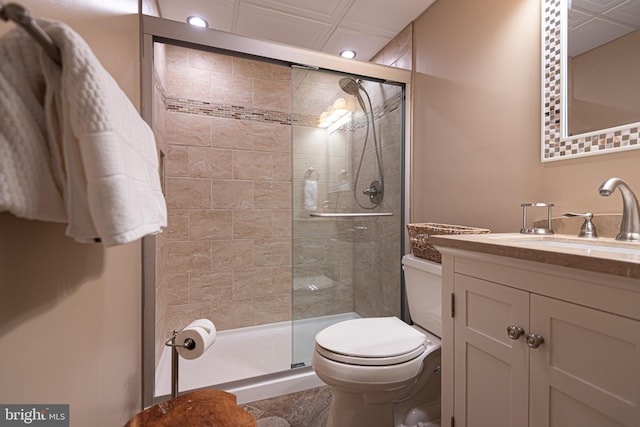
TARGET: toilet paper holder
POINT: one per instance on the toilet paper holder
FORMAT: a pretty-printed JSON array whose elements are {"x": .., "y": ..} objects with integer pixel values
[{"x": 189, "y": 344}]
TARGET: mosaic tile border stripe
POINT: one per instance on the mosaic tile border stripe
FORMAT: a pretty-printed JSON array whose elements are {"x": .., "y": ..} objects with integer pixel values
[
  {"x": 229, "y": 111},
  {"x": 554, "y": 146},
  {"x": 237, "y": 112}
]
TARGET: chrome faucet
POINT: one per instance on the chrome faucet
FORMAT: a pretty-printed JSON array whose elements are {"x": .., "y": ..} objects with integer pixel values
[{"x": 630, "y": 227}]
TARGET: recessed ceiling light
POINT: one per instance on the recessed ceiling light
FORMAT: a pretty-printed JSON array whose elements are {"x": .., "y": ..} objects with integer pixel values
[
  {"x": 349, "y": 54},
  {"x": 197, "y": 21}
]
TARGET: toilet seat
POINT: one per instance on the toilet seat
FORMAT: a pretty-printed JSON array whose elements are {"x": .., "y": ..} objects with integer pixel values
[{"x": 376, "y": 341}]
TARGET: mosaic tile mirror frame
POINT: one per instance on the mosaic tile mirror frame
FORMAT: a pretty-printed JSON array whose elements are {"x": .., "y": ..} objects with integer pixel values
[{"x": 556, "y": 146}]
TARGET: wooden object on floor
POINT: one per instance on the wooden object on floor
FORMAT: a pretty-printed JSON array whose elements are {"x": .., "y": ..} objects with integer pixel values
[{"x": 201, "y": 408}]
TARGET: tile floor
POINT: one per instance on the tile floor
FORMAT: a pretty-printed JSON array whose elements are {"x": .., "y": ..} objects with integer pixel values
[{"x": 307, "y": 408}]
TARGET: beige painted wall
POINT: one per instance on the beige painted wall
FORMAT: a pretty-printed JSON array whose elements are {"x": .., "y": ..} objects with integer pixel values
[
  {"x": 477, "y": 122},
  {"x": 69, "y": 313},
  {"x": 476, "y": 115}
]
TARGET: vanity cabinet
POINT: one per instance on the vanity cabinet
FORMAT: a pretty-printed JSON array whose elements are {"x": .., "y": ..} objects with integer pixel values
[{"x": 531, "y": 344}]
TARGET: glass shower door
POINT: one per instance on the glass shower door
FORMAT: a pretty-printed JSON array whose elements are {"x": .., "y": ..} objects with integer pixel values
[{"x": 347, "y": 158}]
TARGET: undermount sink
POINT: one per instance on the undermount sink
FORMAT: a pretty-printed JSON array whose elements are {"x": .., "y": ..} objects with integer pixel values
[
  {"x": 564, "y": 242},
  {"x": 601, "y": 255},
  {"x": 591, "y": 246}
]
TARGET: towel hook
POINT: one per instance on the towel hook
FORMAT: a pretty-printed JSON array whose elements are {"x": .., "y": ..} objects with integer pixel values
[{"x": 22, "y": 17}]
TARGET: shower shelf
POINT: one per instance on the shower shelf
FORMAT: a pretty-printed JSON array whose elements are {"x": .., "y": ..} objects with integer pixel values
[{"x": 350, "y": 215}]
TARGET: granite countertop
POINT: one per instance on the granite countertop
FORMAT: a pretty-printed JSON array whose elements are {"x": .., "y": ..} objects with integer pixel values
[{"x": 602, "y": 255}]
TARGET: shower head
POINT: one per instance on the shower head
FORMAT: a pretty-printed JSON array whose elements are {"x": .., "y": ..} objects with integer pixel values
[
  {"x": 352, "y": 87},
  {"x": 349, "y": 85}
]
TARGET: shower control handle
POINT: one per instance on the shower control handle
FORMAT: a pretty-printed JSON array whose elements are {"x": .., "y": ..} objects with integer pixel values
[
  {"x": 371, "y": 192},
  {"x": 375, "y": 191},
  {"x": 515, "y": 332}
]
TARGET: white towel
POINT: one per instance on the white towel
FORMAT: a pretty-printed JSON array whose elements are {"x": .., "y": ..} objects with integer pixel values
[
  {"x": 310, "y": 195},
  {"x": 101, "y": 155},
  {"x": 29, "y": 186}
]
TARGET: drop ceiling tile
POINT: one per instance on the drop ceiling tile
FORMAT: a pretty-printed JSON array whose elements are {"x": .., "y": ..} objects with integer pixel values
[
  {"x": 366, "y": 45},
  {"x": 256, "y": 22},
  {"x": 327, "y": 11},
  {"x": 364, "y": 24},
  {"x": 383, "y": 17},
  {"x": 219, "y": 13}
]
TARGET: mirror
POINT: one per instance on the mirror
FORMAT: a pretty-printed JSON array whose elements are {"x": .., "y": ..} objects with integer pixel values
[
  {"x": 602, "y": 65},
  {"x": 590, "y": 44}
]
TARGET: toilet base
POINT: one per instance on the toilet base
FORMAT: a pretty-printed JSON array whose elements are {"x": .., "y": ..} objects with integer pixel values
[
  {"x": 352, "y": 410},
  {"x": 424, "y": 415}
]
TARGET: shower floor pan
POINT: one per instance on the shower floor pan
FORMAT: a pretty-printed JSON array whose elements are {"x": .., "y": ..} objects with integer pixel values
[{"x": 254, "y": 362}]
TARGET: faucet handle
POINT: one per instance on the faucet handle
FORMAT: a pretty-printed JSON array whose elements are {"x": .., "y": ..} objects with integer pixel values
[{"x": 587, "y": 229}]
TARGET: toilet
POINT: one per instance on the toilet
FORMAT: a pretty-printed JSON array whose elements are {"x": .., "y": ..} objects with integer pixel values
[{"x": 382, "y": 371}]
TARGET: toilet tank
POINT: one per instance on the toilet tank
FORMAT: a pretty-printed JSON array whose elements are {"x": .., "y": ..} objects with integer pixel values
[{"x": 423, "y": 282}]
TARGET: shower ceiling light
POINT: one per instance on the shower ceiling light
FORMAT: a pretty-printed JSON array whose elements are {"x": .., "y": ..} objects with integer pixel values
[
  {"x": 349, "y": 54},
  {"x": 197, "y": 21}
]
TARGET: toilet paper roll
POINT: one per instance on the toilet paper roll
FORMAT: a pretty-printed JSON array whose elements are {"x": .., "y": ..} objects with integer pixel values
[{"x": 203, "y": 334}]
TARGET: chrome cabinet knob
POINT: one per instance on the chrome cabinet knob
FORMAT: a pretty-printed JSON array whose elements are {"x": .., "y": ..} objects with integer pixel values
[
  {"x": 515, "y": 332},
  {"x": 534, "y": 340}
]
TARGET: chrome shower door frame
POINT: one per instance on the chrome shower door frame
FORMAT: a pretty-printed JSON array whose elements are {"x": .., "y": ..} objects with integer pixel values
[{"x": 155, "y": 29}]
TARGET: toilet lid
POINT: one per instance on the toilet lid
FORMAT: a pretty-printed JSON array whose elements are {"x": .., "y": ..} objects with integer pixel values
[{"x": 374, "y": 337}]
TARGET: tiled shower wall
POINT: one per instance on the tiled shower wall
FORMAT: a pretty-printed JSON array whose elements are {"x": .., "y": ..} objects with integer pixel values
[
  {"x": 399, "y": 51},
  {"x": 226, "y": 254},
  {"x": 322, "y": 247},
  {"x": 346, "y": 264}
]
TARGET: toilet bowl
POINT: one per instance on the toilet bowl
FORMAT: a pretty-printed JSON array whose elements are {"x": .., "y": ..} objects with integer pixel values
[{"x": 384, "y": 372}]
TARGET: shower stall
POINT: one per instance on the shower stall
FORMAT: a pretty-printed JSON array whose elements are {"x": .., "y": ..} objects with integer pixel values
[
  {"x": 284, "y": 187},
  {"x": 346, "y": 239}
]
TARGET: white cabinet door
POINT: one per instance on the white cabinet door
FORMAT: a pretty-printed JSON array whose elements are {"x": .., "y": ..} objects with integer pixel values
[
  {"x": 587, "y": 371},
  {"x": 491, "y": 370}
]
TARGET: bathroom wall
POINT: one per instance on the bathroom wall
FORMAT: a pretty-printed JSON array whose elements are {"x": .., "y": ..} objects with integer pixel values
[
  {"x": 346, "y": 264},
  {"x": 398, "y": 52},
  {"x": 476, "y": 113},
  {"x": 227, "y": 251},
  {"x": 477, "y": 122},
  {"x": 70, "y": 313},
  {"x": 378, "y": 241},
  {"x": 323, "y": 248}
]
